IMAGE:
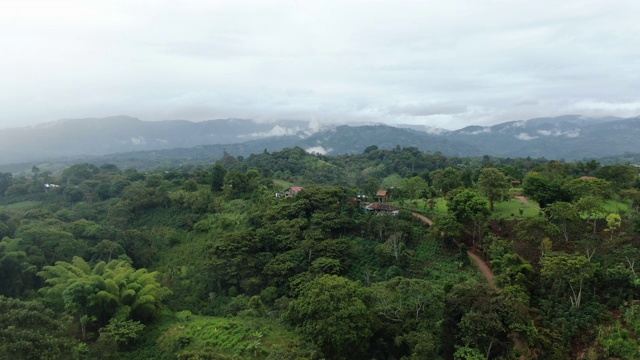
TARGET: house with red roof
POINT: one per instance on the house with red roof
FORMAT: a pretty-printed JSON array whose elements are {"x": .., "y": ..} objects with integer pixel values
[
  {"x": 382, "y": 196},
  {"x": 382, "y": 208},
  {"x": 292, "y": 191}
]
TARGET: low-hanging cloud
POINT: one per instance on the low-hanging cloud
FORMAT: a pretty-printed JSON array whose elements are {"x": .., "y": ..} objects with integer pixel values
[{"x": 439, "y": 63}]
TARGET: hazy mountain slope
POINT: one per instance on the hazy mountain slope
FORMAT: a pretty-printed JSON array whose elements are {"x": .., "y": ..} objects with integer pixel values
[
  {"x": 68, "y": 138},
  {"x": 566, "y": 137},
  {"x": 339, "y": 140},
  {"x": 350, "y": 140},
  {"x": 569, "y": 137}
]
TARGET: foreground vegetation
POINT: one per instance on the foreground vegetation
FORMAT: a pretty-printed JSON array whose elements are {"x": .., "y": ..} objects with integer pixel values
[{"x": 208, "y": 263}]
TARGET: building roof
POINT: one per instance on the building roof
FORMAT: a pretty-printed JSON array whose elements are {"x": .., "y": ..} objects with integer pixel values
[
  {"x": 295, "y": 189},
  {"x": 381, "y": 207},
  {"x": 587, "y": 177},
  {"x": 381, "y": 193}
]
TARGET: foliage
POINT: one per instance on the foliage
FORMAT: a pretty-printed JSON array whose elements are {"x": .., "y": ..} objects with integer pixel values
[
  {"x": 332, "y": 312},
  {"x": 493, "y": 184},
  {"x": 101, "y": 292},
  {"x": 28, "y": 330},
  {"x": 114, "y": 247}
]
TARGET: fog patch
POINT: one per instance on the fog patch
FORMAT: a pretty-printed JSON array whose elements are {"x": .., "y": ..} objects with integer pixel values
[
  {"x": 525, "y": 136},
  {"x": 318, "y": 150}
]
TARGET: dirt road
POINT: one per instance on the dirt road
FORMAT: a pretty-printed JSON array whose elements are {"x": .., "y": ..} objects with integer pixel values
[
  {"x": 486, "y": 271},
  {"x": 422, "y": 218},
  {"x": 525, "y": 201},
  {"x": 484, "y": 268}
]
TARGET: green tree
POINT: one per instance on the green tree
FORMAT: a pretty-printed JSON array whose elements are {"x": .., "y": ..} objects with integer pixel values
[
  {"x": 6, "y": 180},
  {"x": 122, "y": 332},
  {"x": 589, "y": 187},
  {"x": 446, "y": 180},
  {"x": 614, "y": 221},
  {"x": 470, "y": 209},
  {"x": 78, "y": 173},
  {"x": 370, "y": 187},
  {"x": 15, "y": 270},
  {"x": 564, "y": 215},
  {"x": 592, "y": 206},
  {"x": 544, "y": 190},
  {"x": 622, "y": 176},
  {"x": 572, "y": 270},
  {"x": 494, "y": 185},
  {"x": 236, "y": 184},
  {"x": 415, "y": 187},
  {"x": 482, "y": 318},
  {"x": 30, "y": 331},
  {"x": 410, "y": 311},
  {"x": 332, "y": 312},
  {"x": 634, "y": 196},
  {"x": 101, "y": 292}
]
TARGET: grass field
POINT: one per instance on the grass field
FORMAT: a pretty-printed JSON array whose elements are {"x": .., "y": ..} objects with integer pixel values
[
  {"x": 242, "y": 337},
  {"x": 281, "y": 184},
  {"x": 615, "y": 206},
  {"x": 21, "y": 206},
  {"x": 505, "y": 209},
  {"x": 511, "y": 209}
]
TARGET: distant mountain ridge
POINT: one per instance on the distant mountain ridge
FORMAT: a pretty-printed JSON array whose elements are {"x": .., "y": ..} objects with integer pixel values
[
  {"x": 99, "y": 136},
  {"x": 567, "y": 137}
]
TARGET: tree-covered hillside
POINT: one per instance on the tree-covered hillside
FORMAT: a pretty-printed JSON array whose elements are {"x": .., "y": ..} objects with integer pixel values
[{"x": 216, "y": 262}]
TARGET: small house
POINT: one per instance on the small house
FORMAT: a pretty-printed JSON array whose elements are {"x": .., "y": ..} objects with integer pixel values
[
  {"x": 382, "y": 208},
  {"x": 382, "y": 196},
  {"x": 292, "y": 191}
]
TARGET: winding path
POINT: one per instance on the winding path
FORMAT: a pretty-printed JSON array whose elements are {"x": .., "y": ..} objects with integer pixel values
[
  {"x": 486, "y": 271},
  {"x": 525, "y": 201},
  {"x": 423, "y": 218},
  {"x": 484, "y": 268}
]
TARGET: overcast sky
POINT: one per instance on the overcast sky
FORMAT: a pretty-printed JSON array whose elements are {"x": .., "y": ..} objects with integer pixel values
[{"x": 439, "y": 63}]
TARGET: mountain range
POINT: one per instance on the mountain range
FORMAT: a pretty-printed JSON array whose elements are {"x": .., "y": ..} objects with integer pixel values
[{"x": 570, "y": 137}]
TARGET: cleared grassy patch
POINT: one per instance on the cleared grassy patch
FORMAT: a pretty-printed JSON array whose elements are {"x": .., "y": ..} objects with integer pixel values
[
  {"x": 514, "y": 209},
  {"x": 616, "y": 206},
  {"x": 435, "y": 263},
  {"x": 241, "y": 337},
  {"x": 502, "y": 210},
  {"x": 424, "y": 207},
  {"x": 281, "y": 185},
  {"x": 22, "y": 206}
]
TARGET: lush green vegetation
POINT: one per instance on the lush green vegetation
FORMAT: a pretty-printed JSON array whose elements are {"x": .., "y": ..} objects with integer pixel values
[{"x": 207, "y": 262}]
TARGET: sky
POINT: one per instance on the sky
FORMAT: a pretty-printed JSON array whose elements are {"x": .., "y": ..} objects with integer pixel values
[{"x": 437, "y": 63}]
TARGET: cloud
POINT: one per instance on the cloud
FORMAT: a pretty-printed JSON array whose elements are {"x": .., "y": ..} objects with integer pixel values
[
  {"x": 478, "y": 131},
  {"x": 442, "y": 63},
  {"x": 425, "y": 110},
  {"x": 570, "y": 133},
  {"x": 525, "y": 137},
  {"x": 318, "y": 150},
  {"x": 277, "y": 131}
]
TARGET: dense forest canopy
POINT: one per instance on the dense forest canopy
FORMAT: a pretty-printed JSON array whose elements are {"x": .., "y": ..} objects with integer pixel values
[{"x": 220, "y": 261}]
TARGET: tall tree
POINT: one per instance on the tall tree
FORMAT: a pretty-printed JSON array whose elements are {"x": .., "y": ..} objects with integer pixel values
[
  {"x": 544, "y": 190},
  {"x": 470, "y": 209},
  {"x": 494, "y": 185},
  {"x": 565, "y": 215},
  {"x": 446, "y": 180},
  {"x": 332, "y": 312},
  {"x": 217, "y": 177},
  {"x": 28, "y": 330},
  {"x": 573, "y": 270},
  {"x": 6, "y": 180},
  {"x": 101, "y": 292}
]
